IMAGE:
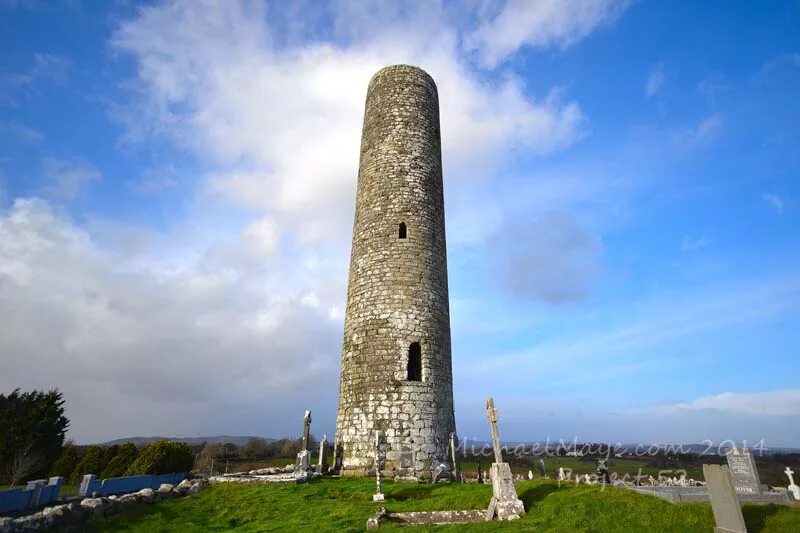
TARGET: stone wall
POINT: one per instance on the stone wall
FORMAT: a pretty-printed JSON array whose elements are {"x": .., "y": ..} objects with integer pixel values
[{"x": 397, "y": 291}]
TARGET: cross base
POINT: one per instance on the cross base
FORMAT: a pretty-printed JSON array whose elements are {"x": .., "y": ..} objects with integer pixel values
[{"x": 505, "y": 503}]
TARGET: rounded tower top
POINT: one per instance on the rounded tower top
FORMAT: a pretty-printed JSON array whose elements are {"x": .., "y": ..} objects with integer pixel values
[{"x": 402, "y": 71}]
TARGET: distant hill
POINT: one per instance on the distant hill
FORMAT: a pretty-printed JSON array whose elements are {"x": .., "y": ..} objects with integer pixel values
[{"x": 191, "y": 441}]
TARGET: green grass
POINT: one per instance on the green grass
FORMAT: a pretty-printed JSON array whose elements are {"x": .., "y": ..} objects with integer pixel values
[
  {"x": 620, "y": 466},
  {"x": 345, "y": 504}
]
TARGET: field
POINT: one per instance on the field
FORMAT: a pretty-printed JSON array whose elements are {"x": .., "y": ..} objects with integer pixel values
[{"x": 345, "y": 504}]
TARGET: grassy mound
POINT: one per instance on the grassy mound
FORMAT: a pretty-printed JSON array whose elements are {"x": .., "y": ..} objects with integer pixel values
[{"x": 345, "y": 504}]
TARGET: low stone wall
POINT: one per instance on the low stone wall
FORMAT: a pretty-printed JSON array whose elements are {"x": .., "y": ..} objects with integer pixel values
[
  {"x": 72, "y": 517},
  {"x": 438, "y": 517},
  {"x": 700, "y": 494},
  {"x": 275, "y": 474}
]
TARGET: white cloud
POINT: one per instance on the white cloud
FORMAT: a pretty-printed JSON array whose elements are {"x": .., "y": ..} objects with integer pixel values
[
  {"x": 280, "y": 125},
  {"x": 690, "y": 244},
  {"x": 68, "y": 177},
  {"x": 19, "y": 132},
  {"x": 771, "y": 403},
  {"x": 707, "y": 130},
  {"x": 140, "y": 349},
  {"x": 540, "y": 24},
  {"x": 263, "y": 236},
  {"x": 654, "y": 81},
  {"x": 708, "y": 127},
  {"x": 46, "y": 68},
  {"x": 640, "y": 326},
  {"x": 775, "y": 201}
]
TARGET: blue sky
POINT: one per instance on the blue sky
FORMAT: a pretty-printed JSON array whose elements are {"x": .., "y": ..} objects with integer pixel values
[{"x": 177, "y": 185}]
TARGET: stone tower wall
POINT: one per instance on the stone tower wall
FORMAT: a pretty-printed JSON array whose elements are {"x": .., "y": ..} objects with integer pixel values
[{"x": 397, "y": 291}]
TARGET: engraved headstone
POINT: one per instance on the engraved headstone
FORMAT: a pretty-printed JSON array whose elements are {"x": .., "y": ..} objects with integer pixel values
[
  {"x": 743, "y": 468},
  {"x": 505, "y": 503},
  {"x": 724, "y": 502}
]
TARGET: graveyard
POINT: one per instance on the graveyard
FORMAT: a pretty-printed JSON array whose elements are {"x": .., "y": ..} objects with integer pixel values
[{"x": 345, "y": 505}]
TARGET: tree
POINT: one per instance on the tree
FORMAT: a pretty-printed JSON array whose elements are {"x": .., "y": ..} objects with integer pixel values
[
  {"x": 124, "y": 458},
  {"x": 255, "y": 448},
  {"x": 230, "y": 450},
  {"x": 92, "y": 462},
  {"x": 66, "y": 462},
  {"x": 32, "y": 430},
  {"x": 162, "y": 457},
  {"x": 24, "y": 463}
]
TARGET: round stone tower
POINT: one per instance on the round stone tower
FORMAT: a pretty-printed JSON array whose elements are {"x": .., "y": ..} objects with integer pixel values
[{"x": 396, "y": 374}]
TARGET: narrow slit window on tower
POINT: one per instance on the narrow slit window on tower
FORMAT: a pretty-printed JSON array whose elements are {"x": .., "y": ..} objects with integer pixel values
[
  {"x": 402, "y": 232},
  {"x": 414, "y": 362}
]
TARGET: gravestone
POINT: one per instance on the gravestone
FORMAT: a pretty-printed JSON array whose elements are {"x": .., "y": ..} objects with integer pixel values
[
  {"x": 725, "y": 504},
  {"x": 542, "y": 468},
  {"x": 378, "y": 496},
  {"x": 406, "y": 452},
  {"x": 602, "y": 471},
  {"x": 337, "y": 456},
  {"x": 322, "y": 460},
  {"x": 794, "y": 489},
  {"x": 743, "y": 468},
  {"x": 303, "y": 462},
  {"x": 504, "y": 501},
  {"x": 454, "y": 458}
]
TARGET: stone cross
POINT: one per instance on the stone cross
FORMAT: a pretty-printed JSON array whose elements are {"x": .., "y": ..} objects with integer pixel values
[
  {"x": 306, "y": 429},
  {"x": 794, "y": 489},
  {"x": 492, "y": 415},
  {"x": 504, "y": 503}
]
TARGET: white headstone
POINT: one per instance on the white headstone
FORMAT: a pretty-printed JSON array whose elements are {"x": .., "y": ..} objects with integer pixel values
[{"x": 794, "y": 489}]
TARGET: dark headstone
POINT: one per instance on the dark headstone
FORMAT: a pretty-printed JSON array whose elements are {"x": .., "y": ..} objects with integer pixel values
[{"x": 743, "y": 468}]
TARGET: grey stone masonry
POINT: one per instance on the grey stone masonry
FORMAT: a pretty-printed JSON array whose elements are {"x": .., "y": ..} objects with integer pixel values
[{"x": 396, "y": 371}]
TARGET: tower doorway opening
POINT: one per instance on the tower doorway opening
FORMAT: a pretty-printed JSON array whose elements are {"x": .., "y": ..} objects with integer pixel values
[
  {"x": 402, "y": 232},
  {"x": 414, "y": 362}
]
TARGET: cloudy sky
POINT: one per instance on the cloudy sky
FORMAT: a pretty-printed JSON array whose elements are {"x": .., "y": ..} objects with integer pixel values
[{"x": 622, "y": 187}]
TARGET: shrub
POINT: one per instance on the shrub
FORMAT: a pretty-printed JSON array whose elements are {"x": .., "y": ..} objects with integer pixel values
[
  {"x": 92, "y": 462},
  {"x": 162, "y": 457},
  {"x": 120, "y": 463},
  {"x": 66, "y": 462}
]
